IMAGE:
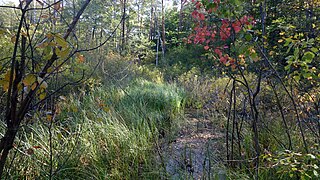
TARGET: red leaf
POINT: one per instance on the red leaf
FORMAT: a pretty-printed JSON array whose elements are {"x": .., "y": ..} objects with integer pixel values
[
  {"x": 37, "y": 147},
  {"x": 201, "y": 17},
  {"x": 224, "y": 59},
  {"x": 206, "y": 48},
  {"x": 225, "y": 30},
  {"x": 236, "y": 26},
  {"x": 213, "y": 35},
  {"x": 218, "y": 51},
  {"x": 198, "y": 5},
  {"x": 194, "y": 14}
]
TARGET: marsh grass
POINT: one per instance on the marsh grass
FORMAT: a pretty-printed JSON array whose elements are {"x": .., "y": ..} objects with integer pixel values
[{"x": 109, "y": 133}]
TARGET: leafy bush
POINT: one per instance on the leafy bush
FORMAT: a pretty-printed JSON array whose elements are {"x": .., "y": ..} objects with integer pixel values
[{"x": 288, "y": 164}]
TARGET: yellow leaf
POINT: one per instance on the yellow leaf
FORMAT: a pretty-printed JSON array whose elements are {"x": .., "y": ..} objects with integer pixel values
[
  {"x": 29, "y": 80},
  {"x": 271, "y": 53},
  {"x": 280, "y": 40},
  {"x": 44, "y": 85},
  {"x": 106, "y": 109},
  {"x": 5, "y": 85},
  {"x": 49, "y": 117},
  {"x": 74, "y": 108},
  {"x": 282, "y": 33},
  {"x": 52, "y": 44},
  {"x": 49, "y": 35},
  {"x": 23, "y": 33},
  {"x": 42, "y": 44},
  {"x": 42, "y": 95},
  {"x": 33, "y": 87},
  {"x": 13, "y": 39},
  {"x": 58, "y": 52},
  {"x": 7, "y": 76}
]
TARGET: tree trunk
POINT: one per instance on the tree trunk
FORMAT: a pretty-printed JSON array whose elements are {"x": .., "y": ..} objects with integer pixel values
[
  {"x": 151, "y": 22},
  {"x": 163, "y": 29},
  {"x": 123, "y": 33}
]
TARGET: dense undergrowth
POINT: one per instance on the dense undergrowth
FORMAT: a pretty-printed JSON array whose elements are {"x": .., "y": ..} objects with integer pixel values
[
  {"x": 112, "y": 125},
  {"x": 95, "y": 91},
  {"x": 103, "y": 130}
]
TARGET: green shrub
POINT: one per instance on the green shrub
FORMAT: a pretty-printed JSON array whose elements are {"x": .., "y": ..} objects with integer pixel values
[{"x": 288, "y": 164}]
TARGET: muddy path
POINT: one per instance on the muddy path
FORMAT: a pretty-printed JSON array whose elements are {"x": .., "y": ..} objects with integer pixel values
[{"x": 197, "y": 151}]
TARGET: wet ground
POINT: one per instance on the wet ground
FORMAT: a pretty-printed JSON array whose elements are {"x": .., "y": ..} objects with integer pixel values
[{"x": 197, "y": 151}]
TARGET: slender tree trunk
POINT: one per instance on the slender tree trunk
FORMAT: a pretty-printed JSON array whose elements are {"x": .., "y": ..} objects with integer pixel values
[
  {"x": 163, "y": 29},
  {"x": 123, "y": 33},
  {"x": 151, "y": 29}
]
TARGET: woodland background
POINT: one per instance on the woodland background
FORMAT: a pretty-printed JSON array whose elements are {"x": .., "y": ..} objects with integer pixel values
[{"x": 102, "y": 89}]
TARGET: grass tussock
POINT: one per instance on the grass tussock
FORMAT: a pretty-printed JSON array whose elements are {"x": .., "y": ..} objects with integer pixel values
[{"x": 107, "y": 133}]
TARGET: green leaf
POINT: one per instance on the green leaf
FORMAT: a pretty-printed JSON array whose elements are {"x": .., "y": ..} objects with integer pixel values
[
  {"x": 289, "y": 48},
  {"x": 288, "y": 41},
  {"x": 287, "y": 67},
  {"x": 315, "y": 173},
  {"x": 308, "y": 57},
  {"x": 315, "y": 50},
  {"x": 61, "y": 42},
  {"x": 47, "y": 57},
  {"x": 296, "y": 53},
  {"x": 248, "y": 37},
  {"x": 306, "y": 75},
  {"x": 297, "y": 78},
  {"x": 63, "y": 53},
  {"x": 2, "y": 31},
  {"x": 254, "y": 57}
]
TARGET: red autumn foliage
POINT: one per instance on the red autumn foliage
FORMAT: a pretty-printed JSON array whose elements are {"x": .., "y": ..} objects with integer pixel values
[{"x": 207, "y": 35}]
